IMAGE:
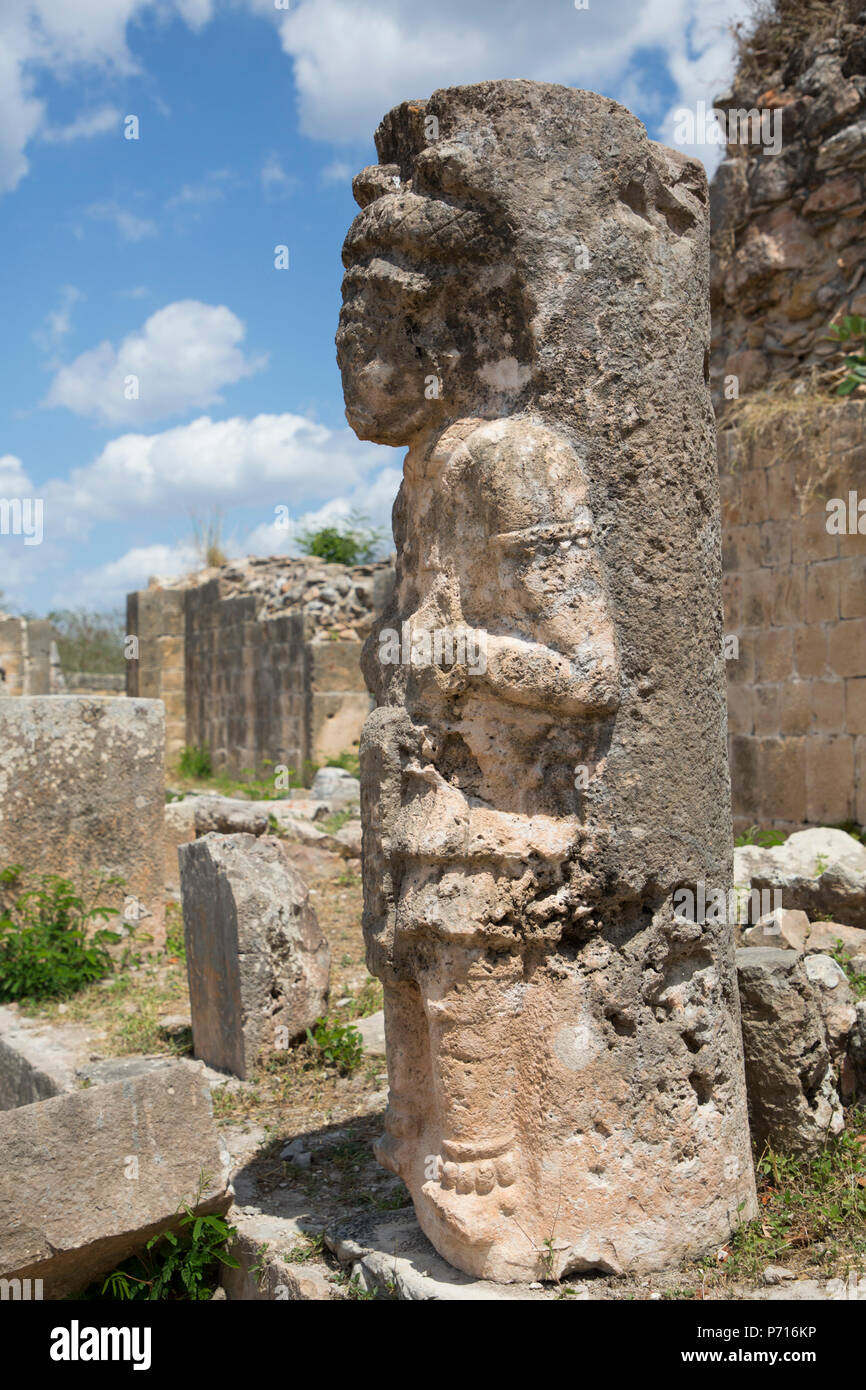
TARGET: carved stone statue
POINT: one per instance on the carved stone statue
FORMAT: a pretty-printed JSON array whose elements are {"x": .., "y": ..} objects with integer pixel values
[{"x": 525, "y": 307}]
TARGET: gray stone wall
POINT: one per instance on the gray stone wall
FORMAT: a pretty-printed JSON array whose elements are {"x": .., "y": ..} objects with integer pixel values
[
  {"x": 82, "y": 794},
  {"x": 26, "y": 659},
  {"x": 795, "y": 599},
  {"x": 259, "y": 661}
]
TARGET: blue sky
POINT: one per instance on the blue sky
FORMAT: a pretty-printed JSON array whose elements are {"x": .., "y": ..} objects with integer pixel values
[{"x": 154, "y": 257}]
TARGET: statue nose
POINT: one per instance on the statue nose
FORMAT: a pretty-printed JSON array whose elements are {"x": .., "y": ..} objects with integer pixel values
[{"x": 374, "y": 182}]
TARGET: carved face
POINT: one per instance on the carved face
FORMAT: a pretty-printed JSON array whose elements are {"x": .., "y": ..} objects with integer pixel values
[{"x": 433, "y": 324}]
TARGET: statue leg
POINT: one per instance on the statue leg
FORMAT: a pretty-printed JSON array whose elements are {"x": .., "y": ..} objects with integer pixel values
[{"x": 472, "y": 1002}]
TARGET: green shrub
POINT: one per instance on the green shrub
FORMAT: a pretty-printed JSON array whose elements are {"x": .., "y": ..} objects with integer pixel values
[
  {"x": 766, "y": 839},
  {"x": 349, "y": 761},
  {"x": 851, "y": 326},
  {"x": 340, "y": 1044},
  {"x": 349, "y": 544},
  {"x": 46, "y": 948},
  {"x": 196, "y": 762},
  {"x": 90, "y": 641},
  {"x": 174, "y": 1265}
]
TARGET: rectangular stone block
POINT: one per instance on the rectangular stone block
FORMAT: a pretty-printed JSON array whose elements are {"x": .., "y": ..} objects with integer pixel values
[
  {"x": 257, "y": 962},
  {"x": 336, "y": 722},
  {"x": 822, "y": 592},
  {"x": 860, "y": 783},
  {"x": 847, "y": 648},
  {"x": 86, "y": 1179},
  {"x": 774, "y": 657},
  {"x": 82, "y": 794},
  {"x": 335, "y": 666},
  {"x": 781, "y": 501},
  {"x": 781, "y": 779},
  {"x": 855, "y": 705},
  {"x": 788, "y": 596},
  {"x": 741, "y": 548},
  {"x": 810, "y": 539},
  {"x": 795, "y": 707},
  {"x": 775, "y": 543},
  {"x": 767, "y": 709},
  {"x": 828, "y": 706},
  {"x": 852, "y": 587},
  {"x": 810, "y": 651},
  {"x": 829, "y": 779},
  {"x": 740, "y": 709}
]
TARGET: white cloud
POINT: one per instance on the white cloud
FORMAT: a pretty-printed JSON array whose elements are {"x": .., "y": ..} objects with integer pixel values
[
  {"x": 182, "y": 358},
  {"x": 59, "y": 321},
  {"x": 130, "y": 226},
  {"x": 84, "y": 127},
  {"x": 107, "y": 585},
  {"x": 192, "y": 197},
  {"x": 14, "y": 482},
  {"x": 351, "y": 62},
  {"x": 55, "y": 38},
  {"x": 275, "y": 180},
  {"x": 265, "y": 460},
  {"x": 373, "y": 496},
  {"x": 338, "y": 171}
]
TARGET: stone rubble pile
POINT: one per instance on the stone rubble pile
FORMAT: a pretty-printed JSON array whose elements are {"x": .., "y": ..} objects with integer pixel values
[
  {"x": 787, "y": 238},
  {"x": 338, "y": 600}
]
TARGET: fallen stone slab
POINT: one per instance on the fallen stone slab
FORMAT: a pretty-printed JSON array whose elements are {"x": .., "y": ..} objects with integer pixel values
[
  {"x": 335, "y": 784},
  {"x": 813, "y": 1291},
  {"x": 781, "y": 929},
  {"x": 301, "y": 831},
  {"x": 372, "y": 1030},
  {"x": 835, "y": 1000},
  {"x": 180, "y": 828},
  {"x": 264, "y": 1248},
  {"x": 824, "y": 937},
  {"x": 821, "y": 872},
  {"x": 390, "y": 1254},
  {"x": 86, "y": 1179},
  {"x": 790, "y": 1084},
  {"x": 81, "y": 795},
  {"x": 854, "y": 1063},
  {"x": 349, "y": 835},
  {"x": 295, "y": 809},
  {"x": 257, "y": 961},
  {"x": 226, "y": 815},
  {"x": 37, "y": 1059}
]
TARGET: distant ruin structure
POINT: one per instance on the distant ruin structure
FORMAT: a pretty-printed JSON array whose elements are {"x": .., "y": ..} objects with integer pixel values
[
  {"x": 259, "y": 660},
  {"x": 29, "y": 663}
]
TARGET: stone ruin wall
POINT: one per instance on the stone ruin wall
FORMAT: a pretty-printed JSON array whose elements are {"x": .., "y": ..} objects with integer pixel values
[
  {"x": 789, "y": 258},
  {"x": 28, "y": 657},
  {"x": 259, "y": 660}
]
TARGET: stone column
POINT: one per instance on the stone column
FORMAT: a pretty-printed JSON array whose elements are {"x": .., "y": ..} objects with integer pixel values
[{"x": 526, "y": 307}]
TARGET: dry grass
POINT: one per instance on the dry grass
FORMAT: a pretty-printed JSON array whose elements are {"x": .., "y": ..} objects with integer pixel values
[{"x": 777, "y": 28}]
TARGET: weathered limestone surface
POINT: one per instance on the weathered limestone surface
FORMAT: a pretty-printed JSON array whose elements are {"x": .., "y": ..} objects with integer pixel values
[
  {"x": 82, "y": 794},
  {"x": 256, "y": 958},
  {"x": 793, "y": 1099},
  {"x": 525, "y": 306},
  {"x": 86, "y": 1179}
]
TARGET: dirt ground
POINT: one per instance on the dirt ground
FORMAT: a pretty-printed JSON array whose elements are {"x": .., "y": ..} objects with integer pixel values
[{"x": 813, "y": 1217}]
